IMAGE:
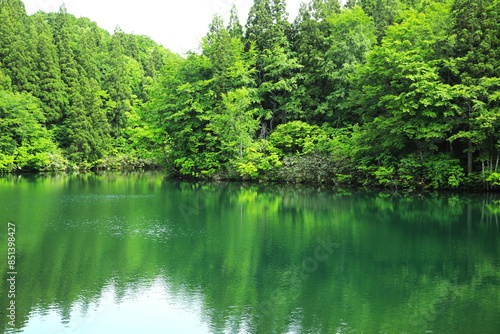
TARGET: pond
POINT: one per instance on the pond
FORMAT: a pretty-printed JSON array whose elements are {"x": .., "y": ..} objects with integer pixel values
[{"x": 138, "y": 253}]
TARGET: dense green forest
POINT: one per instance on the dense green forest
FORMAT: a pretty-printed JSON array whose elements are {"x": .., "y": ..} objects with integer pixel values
[
  {"x": 71, "y": 93},
  {"x": 393, "y": 93}
]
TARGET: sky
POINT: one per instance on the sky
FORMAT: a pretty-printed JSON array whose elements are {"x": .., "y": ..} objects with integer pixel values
[{"x": 176, "y": 24}]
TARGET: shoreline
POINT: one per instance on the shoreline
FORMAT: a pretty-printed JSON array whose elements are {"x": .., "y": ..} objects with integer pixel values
[{"x": 331, "y": 185}]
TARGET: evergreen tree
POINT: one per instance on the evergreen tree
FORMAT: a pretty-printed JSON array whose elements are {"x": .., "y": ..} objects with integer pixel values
[
  {"x": 475, "y": 68},
  {"x": 99, "y": 131},
  {"x": 311, "y": 31},
  {"x": 276, "y": 68},
  {"x": 234, "y": 27},
  {"x": 70, "y": 75},
  {"x": 5, "y": 81},
  {"x": 226, "y": 53},
  {"x": 383, "y": 12},
  {"x": 86, "y": 125},
  {"x": 50, "y": 87},
  {"x": 232, "y": 119},
  {"x": 88, "y": 50},
  {"x": 259, "y": 24},
  {"x": 351, "y": 3},
  {"x": 70, "y": 69},
  {"x": 117, "y": 84},
  {"x": 16, "y": 50},
  {"x": 351, "y": 37}
]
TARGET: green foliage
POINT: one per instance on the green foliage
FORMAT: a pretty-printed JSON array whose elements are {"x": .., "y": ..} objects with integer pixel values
[
  {"x": 475, "y": 69},
  {"x": 494, "y": 178},
  {"x": 297, "y": 138},
  {"x": 180, "y": 106},
  {"x": 234, "y": 123},
  {"x": 261, "y": 157},
  {"x": 410, "y": 171},
  {"x": 50, "y": 90},
  {"x": 83, "y": 80},
  {"x": 442, "y": 171},
  {"x": 383, "y": 12},
  {"x": 329, "y": 47},
  {"x": 118, "y": 84},
  {"x": 401, "y": 95},
  {"x": 24, "y": 143},
  {"x": 5, "y": 81},
  {"x": 385, "y": 176},
  {"x": 234, "y": 27},
  {"x": 276, "y": 69},
  {"x": 16, "y": 53},
  {"x": 351, "y": 38},
  {"x": 393, "y": 93}
]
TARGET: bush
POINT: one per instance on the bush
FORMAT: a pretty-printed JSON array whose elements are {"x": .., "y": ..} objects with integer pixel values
[
  {"x": 442, "y": 171},
  {"x": 259, "y": 158},
  {"x": 298, "y": 138},
  {"x": 312, "y": 168},
  {"x": 410, "y": 171},
  {"x": 494, "y": 179}
]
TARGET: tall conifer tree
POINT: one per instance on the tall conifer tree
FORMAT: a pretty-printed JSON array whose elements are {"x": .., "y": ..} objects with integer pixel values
[
  {"x": 117, "y": 84},
  {"x": 50, "y": 87},
  {"x": 276, "y": 67}
]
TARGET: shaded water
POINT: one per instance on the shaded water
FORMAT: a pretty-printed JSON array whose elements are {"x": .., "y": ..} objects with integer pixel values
[{"x": 135, "y": 253}]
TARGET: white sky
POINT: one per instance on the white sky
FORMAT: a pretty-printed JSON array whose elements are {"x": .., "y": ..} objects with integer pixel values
[{"x": 176, "y": 24}]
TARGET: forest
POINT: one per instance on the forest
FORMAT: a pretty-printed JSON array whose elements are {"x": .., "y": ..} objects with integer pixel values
[{"x": 403, "y": 94}]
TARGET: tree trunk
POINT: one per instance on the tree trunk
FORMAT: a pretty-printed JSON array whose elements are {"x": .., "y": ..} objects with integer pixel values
[{"x": 469, "y": 157}]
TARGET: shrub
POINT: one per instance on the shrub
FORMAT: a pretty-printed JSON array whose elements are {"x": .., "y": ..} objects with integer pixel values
[
  {"x": 442, "y": 171},
  {"x": 298, "y": 138}
]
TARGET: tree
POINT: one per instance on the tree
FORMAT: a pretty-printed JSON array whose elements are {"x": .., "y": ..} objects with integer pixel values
[
  {"x": 179, "y": 108},
  {"x": 86, "y": 124},
  {"x": 90, "y": 45},
  {"x": 329, "y": 48},
  {"x": 226, "y": 53},
  {"x": 16, "y": 52},
  {"x": 50, "y": 87},
  {"x": 258, "y": 26},
  {"x": 70, "y": 69},
  {"x": 309, "y": 42},
  {"x": 475, "y": 68},
  {"x": 234, "y": 26},
  {"x": 234, "y": 123},
  {"x": 118, "y": 84},
  {"x": 24, "y": 142},
  {"x": 400, "y": 93},
  {"x": 70, "y": 75},
  {"x": 232, "y": 119},
  {"x": 276, "y": 68},
  {"x": 383, "y": 12},
  {"x": 5, "y": 81},
  {"x": 351, "y": 38}
]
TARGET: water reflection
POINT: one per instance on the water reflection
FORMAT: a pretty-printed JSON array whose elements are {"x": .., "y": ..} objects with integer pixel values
[
  {"x": 129, "y": 253},
  {"x": 148, "y": 309}
]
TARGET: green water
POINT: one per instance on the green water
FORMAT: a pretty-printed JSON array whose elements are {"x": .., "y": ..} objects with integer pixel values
[{"x": 136, "y": 253}]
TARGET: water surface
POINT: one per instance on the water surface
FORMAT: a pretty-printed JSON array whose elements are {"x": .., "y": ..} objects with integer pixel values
[{"x": 136, "y": 253}]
